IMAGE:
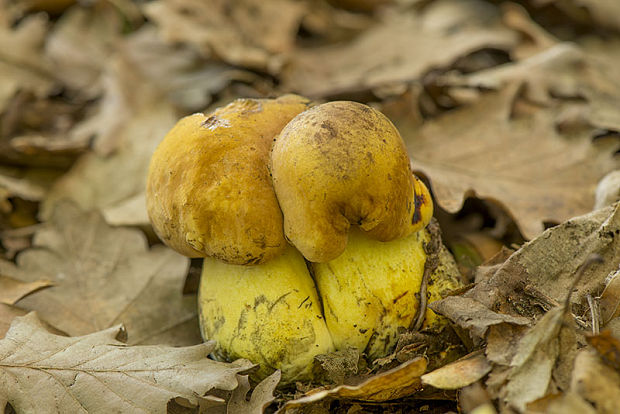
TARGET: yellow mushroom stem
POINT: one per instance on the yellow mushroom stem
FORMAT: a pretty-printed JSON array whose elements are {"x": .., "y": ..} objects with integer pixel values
[
  {"x": 269, "y": 313},
  {"x": 382, "y": 282},
  {"x": 276, "y": 315}
]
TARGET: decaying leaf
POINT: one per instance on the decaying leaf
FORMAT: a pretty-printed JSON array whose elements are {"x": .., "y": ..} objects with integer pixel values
[
  {"x": 539, "y": 275},
  {"x": 396, "y": 383},
  {"x": 335, "y": 366},
  {"x": 454, "y": 27},
  {"x": 102, "y": 276},
  {"x": 472, "y": 315},
  {"x": 458, "y": 374},
  {"x": 45, "y": 373},
  {"x": 531, "y": 368}
]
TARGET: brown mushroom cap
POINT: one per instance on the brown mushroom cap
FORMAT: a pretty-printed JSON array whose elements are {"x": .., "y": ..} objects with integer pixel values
[
  {"x": 343, "y": 163},
  {"x": 209, "y": 192}
]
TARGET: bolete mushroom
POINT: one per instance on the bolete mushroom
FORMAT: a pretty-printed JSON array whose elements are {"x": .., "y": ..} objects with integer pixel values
[
  {"x": 209, "y": 195},
  {"x": 343, "y": 164}
]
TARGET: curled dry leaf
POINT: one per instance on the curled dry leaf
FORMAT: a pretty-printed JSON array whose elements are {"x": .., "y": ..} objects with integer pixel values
[
  {"x": 396, "y": 383},
  {"x": 455, "y": 28},
  {"x": 261, "y": 397},
  {"x": 609, "y": 302},
  {"x": 103, "y": 276},
  {"x": 12, "y": 290},
  {"x": 458, "y": 374},
  {"x": 539, "y": 275},
  {"x": 607, "y": 190},
  {"x": 45, "y": 373}
]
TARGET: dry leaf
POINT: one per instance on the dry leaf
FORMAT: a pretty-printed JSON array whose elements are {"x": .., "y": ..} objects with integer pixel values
[
  {"x": 396, "y": 383},
  {"x": 130, "y": 128},
  {"x": 45, "y": 373},
  {"x": 400, "y": 49},
  {"x": 7, "y": 314},
  {"x": 178, "y": 71},
  {"x": 538, "y": 276},
  {"x": 334, "y": 367},
  {"x": 21, "y": 62},
  {"x": 249, "y": 34},
  {"x": 31, "y": 184},
  {"x": 76, "y": 66},
  {"x": 534, "y": 152},
  {"x": 103, "y": 276},
  {"x": 569, "y": 403},
  {"x": 458, "y": 374},
  {"x": 261, "y": 397},
  {"x": 531, "y": 368},
  {"x": 609, "y": 302},
  {"x": 494, "y": 159},
  {"x": 12, "y": 290},
  {"x": 472, "y": 315},
  {"x": 608, "y": 348},
  {"x": 596, "y": 382},
  {"x": 596, "y": 12},
  {"x": 607, "y": 190}
]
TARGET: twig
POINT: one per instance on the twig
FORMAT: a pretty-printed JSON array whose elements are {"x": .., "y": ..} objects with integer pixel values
[
  {"x": 590, "y": 260},
  {"x": 432, "y": 261},
  {"x": 595, "y": 314}
]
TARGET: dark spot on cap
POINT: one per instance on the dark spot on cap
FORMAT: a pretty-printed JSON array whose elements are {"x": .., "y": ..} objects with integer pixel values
[
  {"x": 418, "y": 201},
  {"x": 330, "y": 128}
]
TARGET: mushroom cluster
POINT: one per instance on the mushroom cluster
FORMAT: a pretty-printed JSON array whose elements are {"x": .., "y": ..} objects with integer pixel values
[{"x": 311, "y": 225}]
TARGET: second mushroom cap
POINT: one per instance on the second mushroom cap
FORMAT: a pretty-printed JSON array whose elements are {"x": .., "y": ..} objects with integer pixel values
[{"x": 343, "y": 163}]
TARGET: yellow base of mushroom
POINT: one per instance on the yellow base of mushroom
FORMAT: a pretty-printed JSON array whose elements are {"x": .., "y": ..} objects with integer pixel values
[
  {"x": 369, "y": 292},
  {"x": 269, "y": 314}
]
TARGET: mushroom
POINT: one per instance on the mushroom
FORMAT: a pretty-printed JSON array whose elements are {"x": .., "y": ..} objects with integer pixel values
[
  {"x": 343, "y": 164},
  {"x": 209, "y": 195}
]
